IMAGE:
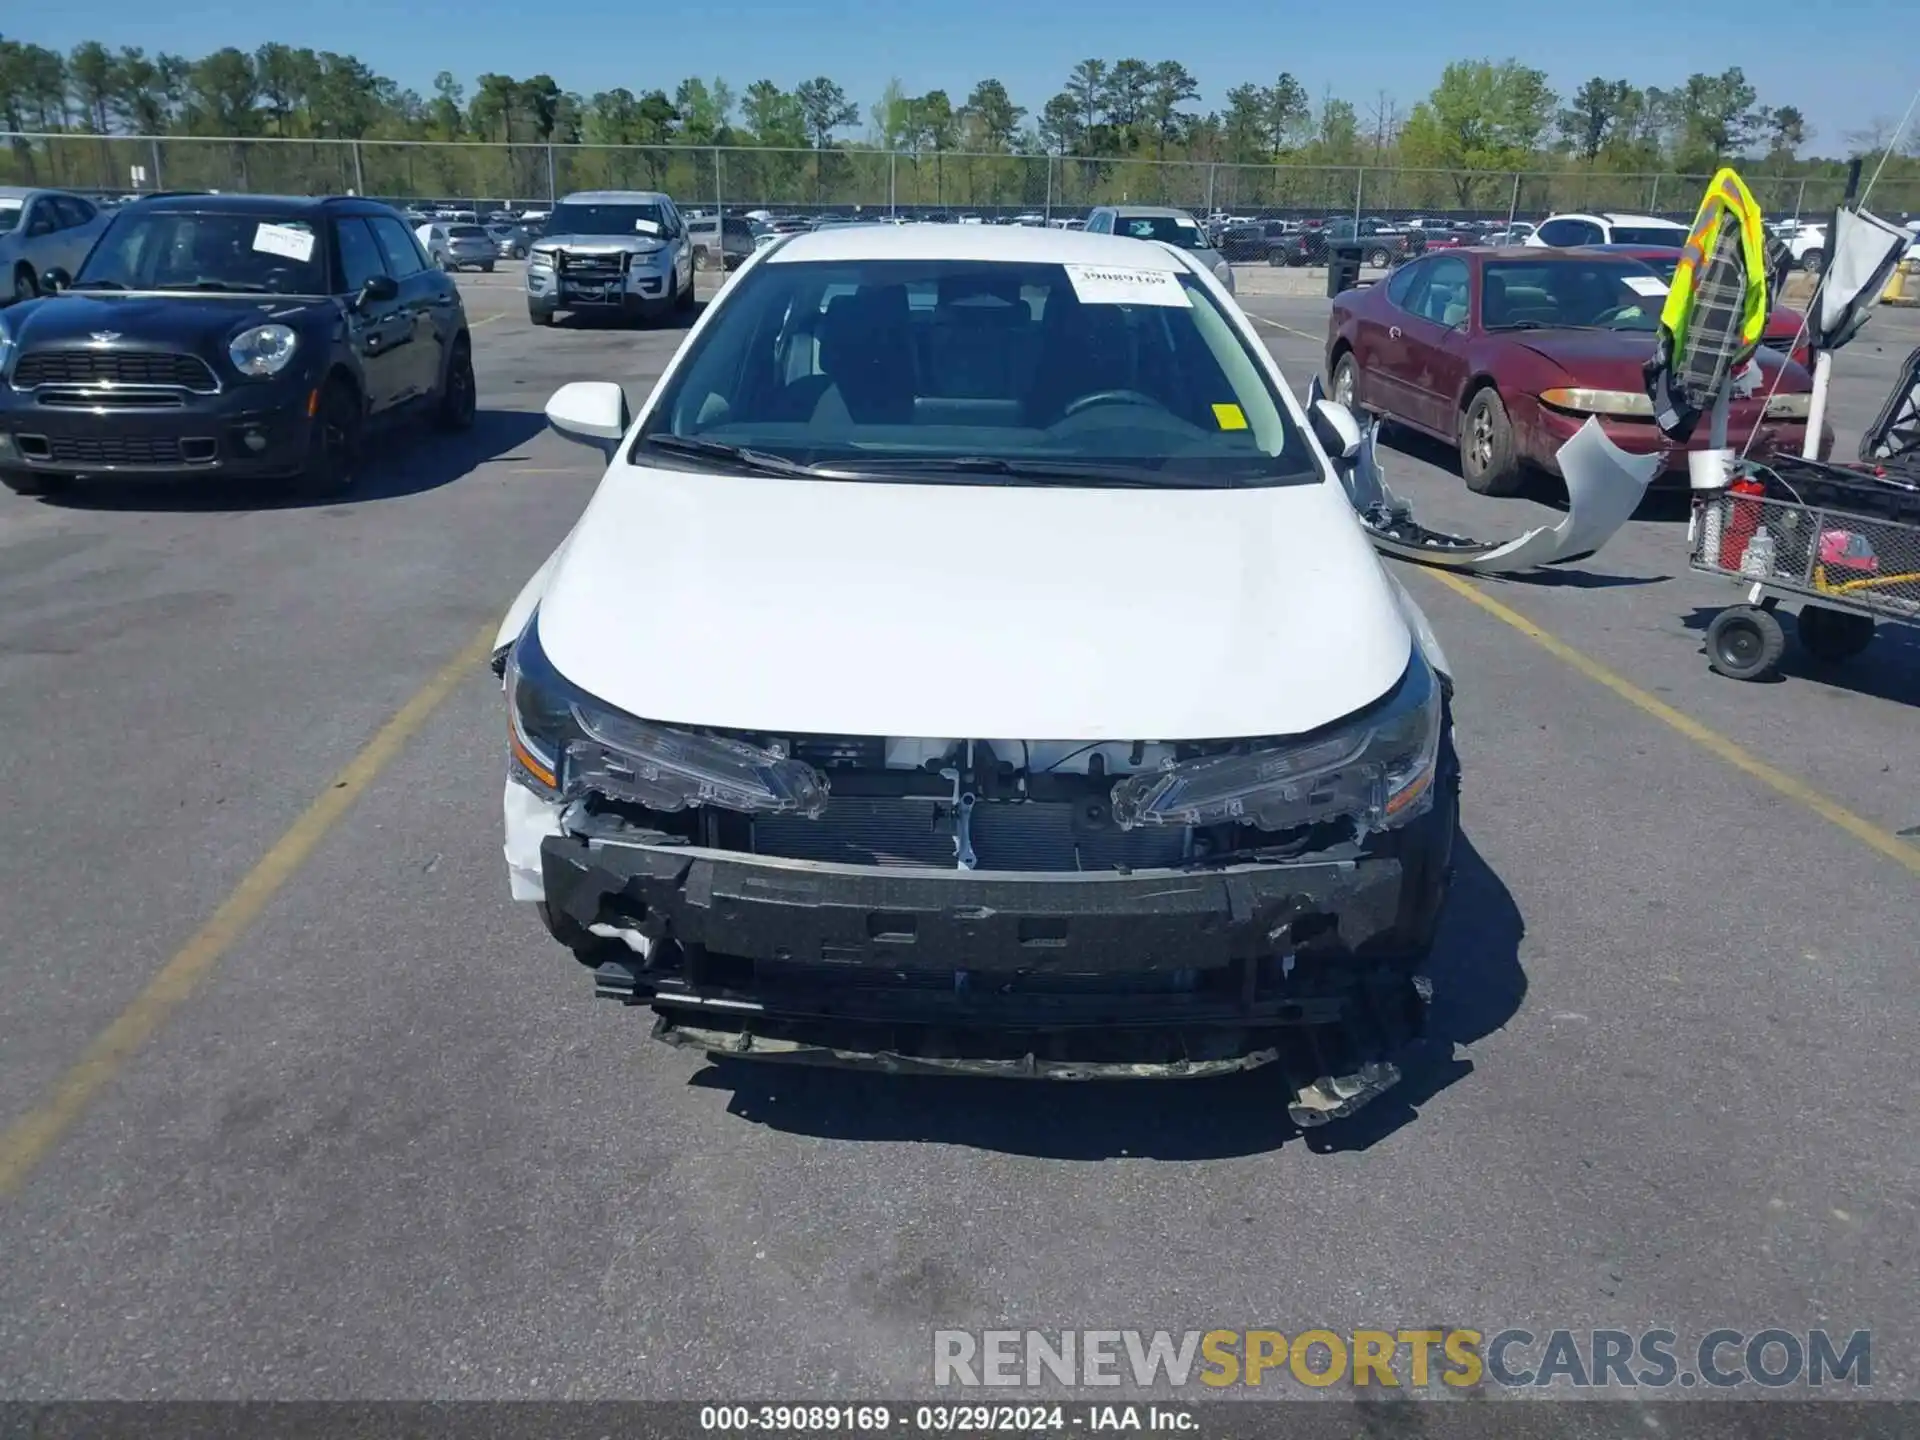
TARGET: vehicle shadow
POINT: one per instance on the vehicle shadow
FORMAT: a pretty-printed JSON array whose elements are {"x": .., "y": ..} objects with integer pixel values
[
  {"x": 1478, "y": 987},
  {"x": 1888, "y": 669},
  {"x": 408, "y": 459},
  {"x": 677, "y": 323}
]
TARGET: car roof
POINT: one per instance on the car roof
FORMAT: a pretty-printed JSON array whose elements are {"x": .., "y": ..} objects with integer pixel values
[
  {"x": 1011, "y": 244},
  {"x": 614, "y": 197},
  {"x": 205, "y": 202},
  {"x": 1173, "y": 210},
  {"x": 1632, "y": 251}
]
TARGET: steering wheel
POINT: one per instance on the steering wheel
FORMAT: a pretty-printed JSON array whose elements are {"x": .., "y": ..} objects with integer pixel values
[
  {"x": 1607, "y": 317},
  {"x": 1110, "y": 397}
]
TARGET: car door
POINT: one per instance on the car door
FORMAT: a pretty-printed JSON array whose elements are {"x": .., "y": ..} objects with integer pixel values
[
  {"x": 1382, "y": 347},
  {"x": 40, "y": 236},
  {"x": 379, "y": 332},
  {"x": 1435, "y": 331},
  {"x": 429, "y": 297},
  {"x": 78, "y": 230}
]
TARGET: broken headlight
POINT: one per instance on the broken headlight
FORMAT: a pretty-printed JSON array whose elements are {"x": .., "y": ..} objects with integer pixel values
[
  {"x": 1375, "y": 769},
  {"x": 564, "y": 742}
]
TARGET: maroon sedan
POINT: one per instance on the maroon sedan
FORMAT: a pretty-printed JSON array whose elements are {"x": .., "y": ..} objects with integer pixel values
[{"x": 1507, "y": 353}]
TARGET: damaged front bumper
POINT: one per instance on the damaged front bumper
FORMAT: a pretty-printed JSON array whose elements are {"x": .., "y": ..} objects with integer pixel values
[{"x": 1092, "y": 975}]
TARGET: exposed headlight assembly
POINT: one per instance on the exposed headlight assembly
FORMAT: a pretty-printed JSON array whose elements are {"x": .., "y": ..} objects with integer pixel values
[
  {"x": 1375, "y": 769},
  {"x": 263, "y": 350},
  {"x": 563, "y": 742}
]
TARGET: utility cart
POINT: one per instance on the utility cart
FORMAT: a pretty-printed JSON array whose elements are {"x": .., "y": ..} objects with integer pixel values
[{"x": 1842, "y": 542}]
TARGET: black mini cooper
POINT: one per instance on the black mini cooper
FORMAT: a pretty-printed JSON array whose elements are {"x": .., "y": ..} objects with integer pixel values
[{"x": 244, "y": 336}]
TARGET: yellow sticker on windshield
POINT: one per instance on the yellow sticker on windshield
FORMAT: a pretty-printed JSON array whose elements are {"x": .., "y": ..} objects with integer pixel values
[{"x": 1230, "y": 417}]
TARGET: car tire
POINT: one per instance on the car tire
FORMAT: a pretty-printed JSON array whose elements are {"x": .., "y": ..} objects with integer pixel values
[
  {"x": 25, "y": 287},
  {"x": 539, "y": 314},
  {"x": 1831, "y": 636},
  {"x": 700, "y": 260},
  {"x": 459, "y": 400},
  {"x": 1745, "y": 642},
  {"x": 684, "y": 300},
  {"x": 1814, "y": 261},
  {"x": 333, "y": 442},
  {"x": 1276, "y": 256},
  {"x": 486, "y": 267},
  {"x": 1346, "y": 375},
  {"x": 1487, "y": 461},
  {"x": 33, "y": 482},
  {"x": 1379, "y": 259}
]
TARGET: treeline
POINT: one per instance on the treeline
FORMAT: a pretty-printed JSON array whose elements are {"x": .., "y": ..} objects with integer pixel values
[{"x": 1485, "y": 118}]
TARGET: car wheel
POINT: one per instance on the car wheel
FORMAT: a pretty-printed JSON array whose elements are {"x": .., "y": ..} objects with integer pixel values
[
  {"x": 539, "y": 314},
  {"x": 1379, "y": 259},
  {"x": 1346, "y": 382},
  {"x": 459, "y": 401},
  {"x": 519, "y": 252},
  {"x": 25, "y": 287},
  {"x": 1831, "y": 636},
  {"x": 333, "y": 442},
  {"x": 700, "y": 260},
  {"x": 683, "y": 300},
  {"x": 486, "y": 267},
  {"x": 1487, "y": 461},
  {"x": 1814, "y": 261},
  {"x": 1745, "y": 643},
  {"x": 1276, "y": 257},
  {"x": 32, "y": 482}
]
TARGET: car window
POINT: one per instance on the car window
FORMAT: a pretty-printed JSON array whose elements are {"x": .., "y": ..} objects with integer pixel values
[
  {"x": 867, "y": 364},
  {"x": 1599, "y": 294},
  {"x": 1100, "y": 223},
  {"x": 1175, "y": 229},
  {"x": 399, "y": 245},
  {"x": 466, "y": 232},
  {"x": 1440, "y": 295},
  {"x": 42, "y": 218},
  {"x": 275, "y": 254},
  {"x": 1402, "y": 283},
  {"x": 610, "y": 218},
  {"x": 733, "y": 226},
  {"x": 71, "y": 210},
  {"x": 360, "y": 258},
  {"x": 1570, "y": 232},
  {"x": 10, "y": 213},
  {"x": 1647, "y": 235}
]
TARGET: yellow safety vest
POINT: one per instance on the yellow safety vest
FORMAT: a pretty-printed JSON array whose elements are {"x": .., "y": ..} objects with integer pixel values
[{"x": 1728, "y": 202}]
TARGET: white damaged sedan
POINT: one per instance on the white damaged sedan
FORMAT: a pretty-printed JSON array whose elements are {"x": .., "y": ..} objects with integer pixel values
[{"x": 970, "y": 662}]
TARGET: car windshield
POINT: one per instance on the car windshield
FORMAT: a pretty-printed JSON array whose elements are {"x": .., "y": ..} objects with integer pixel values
[
  {"x": 1570, "y": 295},
  {"x": 466, "y": 232},
  {"x": 920, "y": 366},
  {"x": 602, "y": 219},
  {"x": 10, "y": 213},
  {"x": 1665, "y": 266},
  {"x": 212, "y": 251},
  {"x": 1648, "y": 235},
  {"x": 1175, "y": 229}
]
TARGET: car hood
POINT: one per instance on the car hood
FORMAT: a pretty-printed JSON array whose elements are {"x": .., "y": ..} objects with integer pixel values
[
  {"x": 601, "y": 244},
  {"x": 171, "y": 322},
  {"x": 971, "y": 611},
  {"x": 1616, "y": 360}
]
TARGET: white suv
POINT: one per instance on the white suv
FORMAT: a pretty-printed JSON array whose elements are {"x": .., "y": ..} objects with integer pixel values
[{"x": 1607, "y": 227}]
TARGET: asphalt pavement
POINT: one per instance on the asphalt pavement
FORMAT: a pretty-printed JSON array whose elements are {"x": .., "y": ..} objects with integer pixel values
[{"x": 302, "y": 1106}]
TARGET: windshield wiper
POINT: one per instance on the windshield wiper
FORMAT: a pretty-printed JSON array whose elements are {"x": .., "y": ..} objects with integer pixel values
[
  {"x": 1115, "y": 476},
  {"x": 735, "y": 454}
]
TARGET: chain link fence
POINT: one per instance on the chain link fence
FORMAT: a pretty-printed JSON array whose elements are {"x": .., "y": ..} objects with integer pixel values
[{"x": 495, "y": 175}]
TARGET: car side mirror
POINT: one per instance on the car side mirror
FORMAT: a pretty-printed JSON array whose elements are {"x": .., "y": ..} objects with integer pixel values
[
  {"x": 55, "y": 279},
  {"x": 593, "y": 412},
  {"x": 1336, "y": 428},
  {"x": 378, "y": 290}
]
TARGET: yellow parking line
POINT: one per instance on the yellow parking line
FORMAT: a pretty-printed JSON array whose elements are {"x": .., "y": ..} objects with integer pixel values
[
  {"x": 1743, "y": 760},
  {"x": 1261, "y": 319},
  {"x": 28, "y": 1139},
  {"x": 486, "y": 320}
]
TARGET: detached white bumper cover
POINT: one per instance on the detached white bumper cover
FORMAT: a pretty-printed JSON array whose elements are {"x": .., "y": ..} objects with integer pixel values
[{"x": 529, "y": 820}]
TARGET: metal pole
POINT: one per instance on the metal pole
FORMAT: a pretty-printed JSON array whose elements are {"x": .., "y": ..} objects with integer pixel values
[
  {"x": 1513, "y": 206},
  {"x": 553, "y": 197},
  {"x": 1653, "y": 200},
  {"x": 1212, "y": 171},
  {"x": 159, "y": 181},
  {"x": 1799, "y": 202},
  {"x": 719, "y": 208},
  {"x": 1359, "y": 185},
  {"x": 893, "y": 194},
  {"x": 359, "y": 176},
  {"x": 1048, "y": 207}
]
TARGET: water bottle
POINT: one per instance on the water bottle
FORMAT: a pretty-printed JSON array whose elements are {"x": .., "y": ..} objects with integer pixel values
[{"x": 1756, "y": 561}]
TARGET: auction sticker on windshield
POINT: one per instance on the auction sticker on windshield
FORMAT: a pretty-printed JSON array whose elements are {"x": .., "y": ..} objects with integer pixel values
[
  {"x": 1127, "y": 285},
  {"x": 283, "y": 240},
  {"x": 1646, "y": 284}
]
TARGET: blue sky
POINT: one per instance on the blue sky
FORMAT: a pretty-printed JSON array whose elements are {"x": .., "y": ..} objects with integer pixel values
[{"x": 1838, "y": 81}]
